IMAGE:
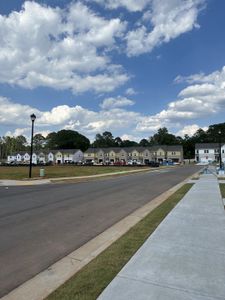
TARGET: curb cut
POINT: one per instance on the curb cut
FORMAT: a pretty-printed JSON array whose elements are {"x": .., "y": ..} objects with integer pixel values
[{"x": 44, "y": 283}]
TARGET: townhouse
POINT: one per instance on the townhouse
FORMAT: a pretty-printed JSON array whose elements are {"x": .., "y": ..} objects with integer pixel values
[
  {"x": 209, "y": 152},
  {"x": 61, "y": 156},
  {"x": 142, "y": 155},
  {"x": 112, "y": 155}
]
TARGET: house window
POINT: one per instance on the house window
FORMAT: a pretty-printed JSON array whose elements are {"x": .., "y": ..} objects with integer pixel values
[
  {"x": 216, "y": 150},
  {"x": 206, "y": 151},
  {"x": 222, "y": 151},
  {"x": 197, "y": 151}
]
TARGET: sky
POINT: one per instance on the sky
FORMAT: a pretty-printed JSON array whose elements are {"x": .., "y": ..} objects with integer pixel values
[{"x": 125, "y": 66}]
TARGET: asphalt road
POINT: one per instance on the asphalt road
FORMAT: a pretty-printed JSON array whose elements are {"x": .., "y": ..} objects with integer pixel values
[{"x": 41, "y": 224}]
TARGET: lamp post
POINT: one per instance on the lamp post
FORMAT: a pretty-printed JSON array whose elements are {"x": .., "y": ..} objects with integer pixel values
[
  {"x": 220, "y": 159},
  {"x": 32, "y": 117}
]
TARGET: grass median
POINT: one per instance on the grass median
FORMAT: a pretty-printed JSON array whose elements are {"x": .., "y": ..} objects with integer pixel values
[
  {"x": 222, "y": 189},
  {"x": 89, "y": 282},
  {"x": 21, "y": 172}
]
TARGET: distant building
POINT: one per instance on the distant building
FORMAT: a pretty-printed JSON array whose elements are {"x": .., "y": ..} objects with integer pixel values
[
  {"x": 61, "y": 156},
  {"x": 209, "y": 152},
  {"x": 138, "y": 154}
]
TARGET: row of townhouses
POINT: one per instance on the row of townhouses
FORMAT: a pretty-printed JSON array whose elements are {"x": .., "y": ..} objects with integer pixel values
[
  {"x": 103, "y": 155},
  {"x": 138, "y": 154},
  {"x": 209, "y": 152},
  {"x": 51, "y": 156}
]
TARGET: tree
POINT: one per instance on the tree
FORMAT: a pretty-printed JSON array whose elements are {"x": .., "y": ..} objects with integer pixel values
[
  {"x": 39, "y": 141},
  {"x": 128, "y": 143},
  {"x": 68, "y": 139},
  {"x": 163, "y": 137},
  {"x": 10, "y": 145},
  {"x": 51, "y": 140},
  {"x": 103, "y": 141},
  {"x": 118, "y": 142},
  {"x": 144, "y": 143}
]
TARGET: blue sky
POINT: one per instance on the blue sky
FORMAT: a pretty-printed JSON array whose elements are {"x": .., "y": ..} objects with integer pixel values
[{"x": 126, "y": 66}]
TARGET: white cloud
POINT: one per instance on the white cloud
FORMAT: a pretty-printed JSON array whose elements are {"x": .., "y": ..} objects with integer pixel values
[
  {"x": 189, "y": 130},
  {"x": 130, "y": 92},
  {"x": 130, "y": 137},
  {"x": 60, "y": 48},
  {"x": 119, "y": 101},
  {"x": 166, "y": 21},
  {"x": 76, "y": 117},
  {"x": 130, "y": 5},
  {"x": 196, "y": 101},
  {"x": 18, "y": 131},
  {"x": 15, "y": 113}
]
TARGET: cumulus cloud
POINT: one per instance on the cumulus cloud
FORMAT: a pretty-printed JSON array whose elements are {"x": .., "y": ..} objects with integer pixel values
[
  {"x": 205, "y": 97},
  {"x": 189, "y": 130},
  {"x": 119, "y": 101},
  {"x": 86, "y": 121},
  {"x": 131, "y": 137},
  {"x": 164, "y": 21},
  {"x": 15, "y": 113},
  {"x": 60, "y": 48}
]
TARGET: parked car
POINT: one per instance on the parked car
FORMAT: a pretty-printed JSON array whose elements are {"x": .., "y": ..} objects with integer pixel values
[{"x": 153, "y": 164}]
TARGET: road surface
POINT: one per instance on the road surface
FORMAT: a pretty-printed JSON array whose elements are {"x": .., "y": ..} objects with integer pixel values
[{"x": 41, "y": 224}]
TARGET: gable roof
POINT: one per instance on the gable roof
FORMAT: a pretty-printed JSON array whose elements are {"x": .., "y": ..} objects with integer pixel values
[
  {"x": 167, "y": 148},
  {"x": 200, "y": 146}
]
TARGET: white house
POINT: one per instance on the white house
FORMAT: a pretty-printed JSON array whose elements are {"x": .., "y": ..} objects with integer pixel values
[
  {"x": 78, "y": 156},
  {"x": 209, "y": 152},
  {"x": 11, "y": 158},
  {"x": 59, "y": 157},
  {"x": 54, "y": 156},
  {"x": 42, "y": 157},
  {"x": 50, "y": 157},
  {"x": 34, "y": 158}
]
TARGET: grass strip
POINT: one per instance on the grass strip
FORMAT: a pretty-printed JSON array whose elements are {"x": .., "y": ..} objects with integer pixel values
[
  {"x": 89, "y": 282},
  {"x": 222, "y": 189},
  {"x": 21, "y": 172}
]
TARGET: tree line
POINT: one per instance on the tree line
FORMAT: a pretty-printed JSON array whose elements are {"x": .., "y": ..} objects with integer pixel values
[{"x": 70, "y": 139}]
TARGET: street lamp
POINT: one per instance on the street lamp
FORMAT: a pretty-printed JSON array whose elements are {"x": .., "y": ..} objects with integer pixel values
[
  {"x": 32, "y": 117},
  {"x": 220, "y": 159}
]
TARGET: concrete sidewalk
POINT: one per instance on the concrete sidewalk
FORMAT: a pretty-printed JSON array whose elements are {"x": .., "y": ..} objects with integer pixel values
[{"x": 184, "y": 259}]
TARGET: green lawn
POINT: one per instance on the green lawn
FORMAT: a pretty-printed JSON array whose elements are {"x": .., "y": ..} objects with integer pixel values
[
  {"x": 222, "y": 189},
  {"x": 89, "y": 282},
  {"x": 59, "y": 171}
]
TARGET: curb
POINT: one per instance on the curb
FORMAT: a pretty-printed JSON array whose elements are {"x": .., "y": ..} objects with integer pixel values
[
  {"x": 8, "y": 182},
  {"x": 44, "y": 283}
]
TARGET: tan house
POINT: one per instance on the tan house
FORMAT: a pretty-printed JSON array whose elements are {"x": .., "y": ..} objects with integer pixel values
[
  {"x": 172, "y": 153},
  {"x": 90, "y": 155},
  {"x": 146, "y": 155},
  {"x": 143, "y": 155}
]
